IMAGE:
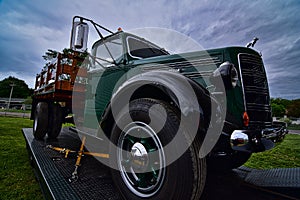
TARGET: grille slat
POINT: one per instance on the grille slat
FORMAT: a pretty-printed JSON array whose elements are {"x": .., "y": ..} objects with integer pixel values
[{"x": 257, "y": 97}]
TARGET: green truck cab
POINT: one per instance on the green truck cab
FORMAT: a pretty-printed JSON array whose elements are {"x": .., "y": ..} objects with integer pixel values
[{"x": 169, "y": 118}]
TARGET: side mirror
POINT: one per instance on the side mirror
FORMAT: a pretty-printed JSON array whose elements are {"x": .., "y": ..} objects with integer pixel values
[
  {"x": 228, "y": 73},
  {"x": 79, "y": 36}
]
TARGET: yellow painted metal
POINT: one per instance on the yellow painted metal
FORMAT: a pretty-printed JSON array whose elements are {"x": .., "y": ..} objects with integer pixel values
[
  {"x": 80, "y": 152},
  {"x": 101, "y": 155}
]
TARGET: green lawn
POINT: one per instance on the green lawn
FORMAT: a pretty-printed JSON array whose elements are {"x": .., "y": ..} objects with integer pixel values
[
  {"x": 284, "y": 155},
  {"x": 17, "y": 180}
]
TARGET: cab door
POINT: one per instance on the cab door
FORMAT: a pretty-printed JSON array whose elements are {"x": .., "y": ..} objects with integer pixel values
[{"x": 106, "y": 73}]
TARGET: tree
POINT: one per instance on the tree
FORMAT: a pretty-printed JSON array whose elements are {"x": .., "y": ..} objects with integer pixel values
[
  {"x": 20, "y": 90},
  {"x": 279, "y": 101},
  {"x": 28, "y": 100},
  {"x": 294, "y": 109},
  {"x": 277, "y": 110},
  {"x": 280, "y": 107}
]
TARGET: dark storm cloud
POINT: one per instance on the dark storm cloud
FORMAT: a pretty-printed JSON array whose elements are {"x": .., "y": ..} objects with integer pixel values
[
  {"x": 276, "y": 23},
  {"x": 29, "y": 28},
  {"x": 284, "y": 71}
]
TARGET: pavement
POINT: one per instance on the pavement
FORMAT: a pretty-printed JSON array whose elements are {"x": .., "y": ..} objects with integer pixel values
[
  {"x": 294, "y": 131},
  {"x": 15, "y": 114}
]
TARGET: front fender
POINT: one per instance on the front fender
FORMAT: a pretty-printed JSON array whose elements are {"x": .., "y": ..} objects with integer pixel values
[
  {"x": 201, "y": 113},
  {"x": 194, "y": 102},
  {"x": 176, "y": 86}
]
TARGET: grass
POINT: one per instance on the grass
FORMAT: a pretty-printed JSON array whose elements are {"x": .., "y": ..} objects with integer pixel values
[
  {"x": 283, "y": 155},
  {"x": 17, "y": 180}
]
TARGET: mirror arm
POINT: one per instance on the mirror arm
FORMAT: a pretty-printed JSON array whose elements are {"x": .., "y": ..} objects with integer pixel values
[
  {"x": 101, "y": 36},
  {"x": 92, "y": 22},
  {"x": 96, "y": 26}
]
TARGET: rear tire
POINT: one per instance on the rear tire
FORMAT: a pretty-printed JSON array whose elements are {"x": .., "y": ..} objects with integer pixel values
[
  {"x": 183, "y": 179},
  {"x": 40, "y": 123},
  {"x": 55, "y": 120}
]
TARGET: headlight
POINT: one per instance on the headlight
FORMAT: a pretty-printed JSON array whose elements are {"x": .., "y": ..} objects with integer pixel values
[
  {"x": 228, "y": 73},
  {"x": 233, "y": 76}
]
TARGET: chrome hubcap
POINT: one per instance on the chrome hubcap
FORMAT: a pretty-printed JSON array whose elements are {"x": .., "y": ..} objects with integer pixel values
[{"x": 141, "y": 159}]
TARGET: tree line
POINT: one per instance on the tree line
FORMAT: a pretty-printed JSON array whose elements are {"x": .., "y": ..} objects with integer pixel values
[
  {"x": 20, "y": 88},
  {"x": 281, "y": 107}
]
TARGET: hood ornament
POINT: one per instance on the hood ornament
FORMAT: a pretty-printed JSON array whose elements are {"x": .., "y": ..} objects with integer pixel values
[{"x": 252, "y": 43}]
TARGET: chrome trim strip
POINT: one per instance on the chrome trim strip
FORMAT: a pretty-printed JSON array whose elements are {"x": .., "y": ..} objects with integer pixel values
[
  {"x": 198, "y": 74},
  {"x": 242, "y": 82},
  {"x": 184, "y": 64}
]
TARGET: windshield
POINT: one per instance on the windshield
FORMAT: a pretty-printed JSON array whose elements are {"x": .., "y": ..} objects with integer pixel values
[
  {"x": 143, "y": 49},
  {"x": 107, "y": 52}
]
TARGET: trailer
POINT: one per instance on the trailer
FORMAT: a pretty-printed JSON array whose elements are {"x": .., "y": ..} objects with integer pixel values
[{"x": 54, "y": 87}]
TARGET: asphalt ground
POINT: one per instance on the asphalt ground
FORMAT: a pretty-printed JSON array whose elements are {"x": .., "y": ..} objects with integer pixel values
[
  {"x": 294, "y": 131},
  {"x": 15, "y": 114}
]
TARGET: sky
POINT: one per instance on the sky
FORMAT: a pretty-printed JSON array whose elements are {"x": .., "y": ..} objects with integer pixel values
[{"x": 29, "y": 27}]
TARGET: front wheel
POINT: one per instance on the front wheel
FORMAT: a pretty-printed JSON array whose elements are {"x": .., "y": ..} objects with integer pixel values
[{"x": 139, "y": 161}]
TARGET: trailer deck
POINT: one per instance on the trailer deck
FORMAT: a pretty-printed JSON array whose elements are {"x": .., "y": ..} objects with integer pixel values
[{"x": 53, "y": 171}]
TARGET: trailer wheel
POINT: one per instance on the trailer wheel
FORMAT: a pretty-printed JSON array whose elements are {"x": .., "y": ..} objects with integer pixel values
[
  {"x": 140, "y": 174},
  {"x": 55, "y": 120},
  {"x": 40, "y": 123}
]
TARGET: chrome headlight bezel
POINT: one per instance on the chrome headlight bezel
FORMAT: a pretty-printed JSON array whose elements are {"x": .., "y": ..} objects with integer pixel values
[
  {"x": 228, "y": 73},
  {"x": 234, "y": 76}
]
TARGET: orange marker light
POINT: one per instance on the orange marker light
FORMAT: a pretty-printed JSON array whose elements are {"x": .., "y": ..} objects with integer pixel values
[
  {"x": 120, "y": 29},
  {"x": 246, "y": 119}
]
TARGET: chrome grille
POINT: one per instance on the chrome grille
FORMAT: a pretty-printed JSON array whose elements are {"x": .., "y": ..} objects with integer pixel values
[{"x": 256, "y": 92}]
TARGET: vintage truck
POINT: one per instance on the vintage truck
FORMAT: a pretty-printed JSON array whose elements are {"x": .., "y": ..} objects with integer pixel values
[{"x": 167, "y": 118}]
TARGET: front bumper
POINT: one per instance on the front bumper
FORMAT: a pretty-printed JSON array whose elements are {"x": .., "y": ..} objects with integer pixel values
[
  {"x": 258, "y": 140},
  {"x": 277, "y": 133}
]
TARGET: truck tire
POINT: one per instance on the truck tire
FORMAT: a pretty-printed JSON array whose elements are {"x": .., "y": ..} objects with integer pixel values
[
  {"x": 55, "y": 120},
  {"x": 40, "y": 123},
  {"x": 183, "y": 179}
]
